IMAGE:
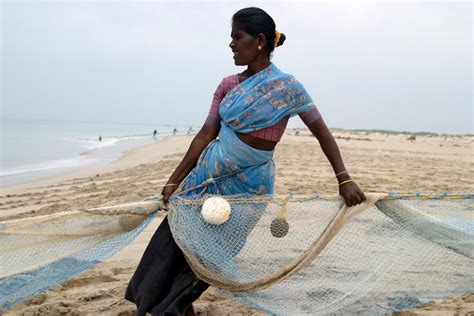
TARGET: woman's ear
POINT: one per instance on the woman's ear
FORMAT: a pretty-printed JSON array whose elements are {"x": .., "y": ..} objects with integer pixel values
[{"x": 262, "y": 40}]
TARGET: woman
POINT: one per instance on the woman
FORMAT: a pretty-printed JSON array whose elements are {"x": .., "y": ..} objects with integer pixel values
[{"x": 234, "y": 149}]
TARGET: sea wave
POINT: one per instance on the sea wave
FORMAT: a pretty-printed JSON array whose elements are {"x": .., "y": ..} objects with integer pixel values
[
  {"x": 93, "y": 145},
  {"x": 46, "y": 166},
  {"x": 33, "y": 149}
]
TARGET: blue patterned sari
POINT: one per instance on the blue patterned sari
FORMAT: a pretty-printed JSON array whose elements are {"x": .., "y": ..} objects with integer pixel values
[
  {"x": 258, "y": 102},
  {"x": 163, "y": 282},
  {"x": 228, "y": 166}
]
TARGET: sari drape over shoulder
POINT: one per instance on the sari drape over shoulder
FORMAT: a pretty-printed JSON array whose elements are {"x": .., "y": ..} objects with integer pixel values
[
  {"x": 258, "y": 102},
  {"x": 163, "y": 282},
  {"x": 262, "y": 100}
]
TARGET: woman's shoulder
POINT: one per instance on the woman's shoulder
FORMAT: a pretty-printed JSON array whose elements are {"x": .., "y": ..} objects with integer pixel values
[
  {"x": 229, "y": 82},
  {"x": 232, "y": 79},
  {"x": 293, "y": 83},
  {"x": 287, "y": 77}
]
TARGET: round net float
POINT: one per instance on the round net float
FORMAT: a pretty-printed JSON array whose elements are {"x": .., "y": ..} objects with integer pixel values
[
  {"x": 216, "y": 210},
  {"x": 279, "y": 227}
]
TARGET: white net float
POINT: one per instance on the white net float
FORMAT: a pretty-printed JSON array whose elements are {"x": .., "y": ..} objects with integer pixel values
[{"x": 216, "y": 210}]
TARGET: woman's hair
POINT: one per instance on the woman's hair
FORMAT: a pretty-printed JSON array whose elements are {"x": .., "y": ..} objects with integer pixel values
[{"x": 255, "y": 21}]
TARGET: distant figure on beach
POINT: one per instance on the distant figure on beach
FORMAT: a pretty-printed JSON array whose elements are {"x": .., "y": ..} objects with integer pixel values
[
  {"x": 236, "y": 142},
  {"x": 100, "y": 138},
  {"x": 154, "y": 133},
  {"x": 411, "y": 138},
  {"x": 190, "y": 130},
  {"x": 175, "y": 131}
]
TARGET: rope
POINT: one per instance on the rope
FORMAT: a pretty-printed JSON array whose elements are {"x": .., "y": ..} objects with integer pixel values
[{"x": 341, "y": 218}]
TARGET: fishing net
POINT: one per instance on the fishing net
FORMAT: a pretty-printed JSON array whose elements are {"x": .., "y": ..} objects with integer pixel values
[
  {"x": 39, "y": 252},
  {"x": 311, "y": 254},
  {"x": 280, "y": 254}
]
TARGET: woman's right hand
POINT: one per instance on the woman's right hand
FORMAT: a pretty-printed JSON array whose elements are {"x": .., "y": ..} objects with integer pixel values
[
  {"x": 200, "y": 141},
  {"x": 167, "y": 191}
]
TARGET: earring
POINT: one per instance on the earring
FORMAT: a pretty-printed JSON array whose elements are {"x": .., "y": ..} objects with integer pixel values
[{"x": 259, "y": 47}]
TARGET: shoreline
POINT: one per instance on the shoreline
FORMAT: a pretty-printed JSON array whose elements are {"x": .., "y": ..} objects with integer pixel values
[
  {"x": 377, "y": 162},
  {"x": 58, "y": 173},
  {"x": 150, "y": 153},
  {"x": 126, "y": 160},
  {"x": 34, "y": 149}
]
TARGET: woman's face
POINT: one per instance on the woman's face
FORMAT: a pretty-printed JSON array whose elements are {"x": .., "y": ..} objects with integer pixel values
[{"x": 243, "y": 45}]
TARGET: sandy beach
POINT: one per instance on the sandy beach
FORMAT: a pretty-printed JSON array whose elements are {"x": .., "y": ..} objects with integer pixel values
[{"x": 378, "y": 161}]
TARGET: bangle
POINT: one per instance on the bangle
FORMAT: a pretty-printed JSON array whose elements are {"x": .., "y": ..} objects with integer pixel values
[
  {"x": 342, "y": 172},
  {"x": 170, "y": 185},
  {"x": 344, "y": 182}
]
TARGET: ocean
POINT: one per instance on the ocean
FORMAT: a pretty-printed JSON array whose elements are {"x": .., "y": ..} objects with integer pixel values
[{"x": 33, "y": 149}]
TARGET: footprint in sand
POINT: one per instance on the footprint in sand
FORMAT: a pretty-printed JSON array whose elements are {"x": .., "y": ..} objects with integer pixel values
[
  {"x": 37, "y": 300},
  {"x": 117, "y": 271},
  {"x": 78, "y": 282}
]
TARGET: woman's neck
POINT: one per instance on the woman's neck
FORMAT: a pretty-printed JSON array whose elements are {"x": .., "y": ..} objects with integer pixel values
[{"x": 257, "y": 66}]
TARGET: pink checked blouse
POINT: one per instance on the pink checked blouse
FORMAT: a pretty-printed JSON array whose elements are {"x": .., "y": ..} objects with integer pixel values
[{"x": 272, "y": 133}]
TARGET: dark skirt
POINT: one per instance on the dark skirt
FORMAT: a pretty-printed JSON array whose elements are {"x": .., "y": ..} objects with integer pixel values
[{"x": 163, "y": 282}]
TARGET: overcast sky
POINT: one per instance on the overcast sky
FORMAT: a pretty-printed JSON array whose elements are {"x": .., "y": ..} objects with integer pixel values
[{"x": 374, "y": 65}]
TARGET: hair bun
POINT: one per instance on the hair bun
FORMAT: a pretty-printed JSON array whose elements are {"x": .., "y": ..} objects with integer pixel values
[{"x": 282, "y": 39}]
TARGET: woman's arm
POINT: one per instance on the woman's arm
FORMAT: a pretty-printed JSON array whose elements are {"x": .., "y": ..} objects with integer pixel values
[
  {"x": 347, "y": 188},
  {"x": 200, "y": 141}
]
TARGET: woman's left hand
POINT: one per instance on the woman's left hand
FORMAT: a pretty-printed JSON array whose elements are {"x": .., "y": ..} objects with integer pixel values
[{"x": 351, "y": 193}]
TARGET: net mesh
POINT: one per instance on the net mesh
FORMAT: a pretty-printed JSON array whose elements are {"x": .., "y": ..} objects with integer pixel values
[
  {"x": 280, "y": 254},
  {"x": 40, "y": 252},
  {"x": 390, "y": 254}
]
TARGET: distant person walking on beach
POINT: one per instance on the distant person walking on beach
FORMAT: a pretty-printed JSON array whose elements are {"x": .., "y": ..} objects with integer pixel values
[
  {"x": 248, "y": 116},
  {"x": 175, "y": 131},
  {"x": 100, "y": 138},
  {"x": 154, "y": 133}
]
